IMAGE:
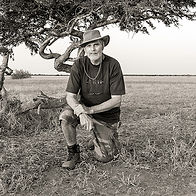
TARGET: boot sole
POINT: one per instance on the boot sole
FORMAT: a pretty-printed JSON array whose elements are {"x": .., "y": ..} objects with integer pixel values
[{"x": 70, "y": 168}]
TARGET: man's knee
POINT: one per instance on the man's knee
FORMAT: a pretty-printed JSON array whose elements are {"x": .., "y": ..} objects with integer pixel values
[
  {"x": 105, "y": 151},
  {"x": 67, "y": 117}
]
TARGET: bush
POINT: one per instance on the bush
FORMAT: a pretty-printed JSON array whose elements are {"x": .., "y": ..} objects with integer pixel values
[{"x": 20, "y": 74}]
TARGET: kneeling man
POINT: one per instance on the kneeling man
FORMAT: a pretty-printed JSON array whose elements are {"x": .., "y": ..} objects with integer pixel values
[{"x": 98, "y": 79}]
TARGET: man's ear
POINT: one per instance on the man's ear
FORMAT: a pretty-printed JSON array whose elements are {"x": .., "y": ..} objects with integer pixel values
[
  {"x": 103, "y": 44},
  {"x": 84, "y": 50}
]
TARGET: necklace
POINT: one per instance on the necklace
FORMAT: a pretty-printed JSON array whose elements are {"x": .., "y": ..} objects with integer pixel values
[{"x": 97, "y": 72}]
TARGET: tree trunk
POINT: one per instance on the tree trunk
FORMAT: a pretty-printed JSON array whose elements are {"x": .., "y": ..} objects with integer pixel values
[{"x": 5, "y": 54}]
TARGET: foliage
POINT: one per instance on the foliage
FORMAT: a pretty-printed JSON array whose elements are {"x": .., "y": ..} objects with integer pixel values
[
  {"x": 21, "y": 74},
  {"x": 31, "y": 21}
]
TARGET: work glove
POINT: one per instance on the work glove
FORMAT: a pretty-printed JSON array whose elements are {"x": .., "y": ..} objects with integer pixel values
[{"x": 86, "y": 122}]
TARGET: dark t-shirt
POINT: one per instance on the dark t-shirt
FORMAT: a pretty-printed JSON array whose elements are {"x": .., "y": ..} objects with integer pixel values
[{"x": 95, "y": 91}]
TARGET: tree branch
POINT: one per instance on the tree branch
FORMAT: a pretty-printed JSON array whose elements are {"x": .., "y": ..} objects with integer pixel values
[
  {"x": 43, "y": 47},
  {"x": 59, "y": 61}
]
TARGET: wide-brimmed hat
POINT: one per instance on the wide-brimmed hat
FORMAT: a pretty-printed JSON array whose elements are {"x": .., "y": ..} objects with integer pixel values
[{"x": 94, "y": 35}]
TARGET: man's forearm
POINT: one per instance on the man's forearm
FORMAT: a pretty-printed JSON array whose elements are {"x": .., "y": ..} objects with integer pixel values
[
  {"x": 107, "y": 105},
  {"x": 72, "y": 101},
  {"x": 79, "y": 108}
]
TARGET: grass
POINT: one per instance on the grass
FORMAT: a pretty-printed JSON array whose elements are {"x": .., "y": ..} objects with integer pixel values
[
  {"x": 25, "y": 89},
  {"x": 157, "y": 136}
]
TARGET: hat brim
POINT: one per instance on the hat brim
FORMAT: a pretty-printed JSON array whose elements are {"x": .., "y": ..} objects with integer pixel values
[{"x": 106, "y": 40}]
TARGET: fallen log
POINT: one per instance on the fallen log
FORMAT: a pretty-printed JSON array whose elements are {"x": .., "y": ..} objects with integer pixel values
[{"x": 42, "y": 102}]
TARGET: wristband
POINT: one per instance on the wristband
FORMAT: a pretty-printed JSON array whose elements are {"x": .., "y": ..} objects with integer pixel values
[{"x": 91, "y": 111}]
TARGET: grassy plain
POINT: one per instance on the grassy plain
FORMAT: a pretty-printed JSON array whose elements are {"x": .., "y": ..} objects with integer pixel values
[{"x": 158, "y": 137}]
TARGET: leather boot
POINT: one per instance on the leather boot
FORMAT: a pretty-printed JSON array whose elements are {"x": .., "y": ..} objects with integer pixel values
[
  {"x": 90, "y": 145},
  {"x": 73, "y": 157}
]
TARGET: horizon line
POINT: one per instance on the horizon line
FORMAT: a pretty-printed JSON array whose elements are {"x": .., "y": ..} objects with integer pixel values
[{"x": 123, "y": 74}]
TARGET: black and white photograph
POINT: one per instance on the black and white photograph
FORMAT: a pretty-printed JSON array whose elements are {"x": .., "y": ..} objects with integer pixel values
[{"x": 97, "y": 98}]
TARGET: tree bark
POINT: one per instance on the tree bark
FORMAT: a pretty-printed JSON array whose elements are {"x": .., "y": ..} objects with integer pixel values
[
  {"x": 42, "y": 102},
  {"x": 3, "y": 101},
  {"x": 5, "y": 54}
]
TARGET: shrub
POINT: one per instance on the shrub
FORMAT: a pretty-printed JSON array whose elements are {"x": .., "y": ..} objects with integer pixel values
[{"x": 20, "y": 74}]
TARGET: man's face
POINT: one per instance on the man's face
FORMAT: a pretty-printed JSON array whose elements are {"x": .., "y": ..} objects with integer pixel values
[{"x": 94, "y": 50}]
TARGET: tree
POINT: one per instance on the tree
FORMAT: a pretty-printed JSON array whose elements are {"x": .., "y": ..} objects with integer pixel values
[{"x": 39, "y": 23}]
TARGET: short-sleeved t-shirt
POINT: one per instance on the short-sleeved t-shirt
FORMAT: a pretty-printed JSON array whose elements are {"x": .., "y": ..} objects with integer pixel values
[{"x": 109, "y": 81}]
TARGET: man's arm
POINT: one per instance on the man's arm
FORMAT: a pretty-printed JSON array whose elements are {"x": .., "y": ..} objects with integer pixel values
[
  {"x": 115, "y": 101},
  {"x": 72, "y": 100}
]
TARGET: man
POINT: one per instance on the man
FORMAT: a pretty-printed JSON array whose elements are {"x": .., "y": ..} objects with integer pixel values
[{"x": 98, "y": 79}]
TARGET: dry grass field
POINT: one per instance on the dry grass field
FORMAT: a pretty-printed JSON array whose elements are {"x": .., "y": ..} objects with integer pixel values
[{"x": 158, "y": 137}]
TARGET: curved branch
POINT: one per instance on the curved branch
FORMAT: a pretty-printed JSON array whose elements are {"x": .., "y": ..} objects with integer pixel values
[
  {"x": 59, "y": 64},
  {"x": 43, "y": 47}
]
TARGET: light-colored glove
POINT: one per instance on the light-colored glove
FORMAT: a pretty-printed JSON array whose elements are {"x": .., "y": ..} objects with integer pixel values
[
  {"x": 86, "y": 122},
  {"x": 82, "y": 109}
]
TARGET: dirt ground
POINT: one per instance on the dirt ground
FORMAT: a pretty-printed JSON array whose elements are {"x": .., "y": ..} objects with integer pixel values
[{"x": 121, "y": 182}]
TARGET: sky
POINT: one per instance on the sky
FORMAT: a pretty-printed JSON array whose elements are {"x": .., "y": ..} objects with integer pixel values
[{"x": 166, "y": 50}]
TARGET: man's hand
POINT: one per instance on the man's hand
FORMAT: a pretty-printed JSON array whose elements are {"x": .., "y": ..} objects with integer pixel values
[
  {"x": 86, "y": 122},
  {"x": 82, "y": 109}
]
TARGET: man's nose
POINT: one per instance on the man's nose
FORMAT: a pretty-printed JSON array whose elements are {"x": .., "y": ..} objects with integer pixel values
[{"x": 92, "y": 48}]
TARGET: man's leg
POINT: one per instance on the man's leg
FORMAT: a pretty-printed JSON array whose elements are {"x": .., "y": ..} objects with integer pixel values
[
  {"x": 106, "y": 143},
  {"x": 68, "y": 124},
  {"x": 69, "y": 131}
]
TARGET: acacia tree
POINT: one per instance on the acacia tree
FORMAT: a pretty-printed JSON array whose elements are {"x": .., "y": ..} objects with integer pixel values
[{"x": 39, "y": 23}]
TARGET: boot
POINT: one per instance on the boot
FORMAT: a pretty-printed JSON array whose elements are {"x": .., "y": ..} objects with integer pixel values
[
  {"x": 90, "y": 145},
  {"x": 73, "y": 157}
]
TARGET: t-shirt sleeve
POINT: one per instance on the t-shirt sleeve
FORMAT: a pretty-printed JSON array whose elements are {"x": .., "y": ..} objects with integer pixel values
[
  {"x": 117, "y": 85},
  {"x": 73, "y": 85}
]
